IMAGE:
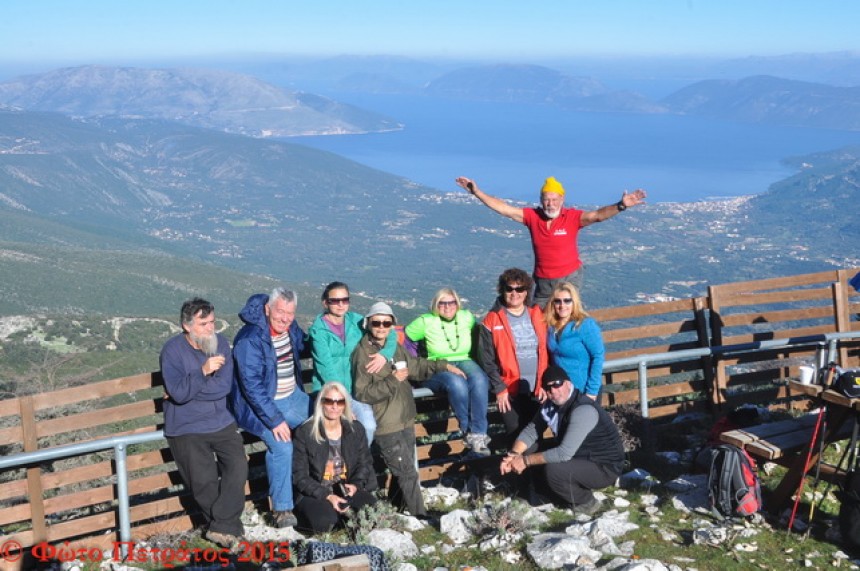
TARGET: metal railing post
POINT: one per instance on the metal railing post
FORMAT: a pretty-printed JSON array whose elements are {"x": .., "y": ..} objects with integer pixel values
[
  {"x": 122, "y": 497},
  {"x": 643, "y": 388},
  {"x": 832, "y": 351}
]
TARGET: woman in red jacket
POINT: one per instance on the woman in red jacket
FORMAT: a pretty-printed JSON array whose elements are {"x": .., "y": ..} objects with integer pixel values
[{"x": 513, "y": 351}]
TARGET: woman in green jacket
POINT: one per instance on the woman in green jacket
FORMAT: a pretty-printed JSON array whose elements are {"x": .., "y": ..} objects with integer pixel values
[{"x": 447, "y": 334}]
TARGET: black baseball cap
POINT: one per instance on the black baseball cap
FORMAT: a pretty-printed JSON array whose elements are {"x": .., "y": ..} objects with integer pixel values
[{"x": 553, "y": 375}]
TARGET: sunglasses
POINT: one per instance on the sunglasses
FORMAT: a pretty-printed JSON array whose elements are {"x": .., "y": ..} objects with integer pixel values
[
  {"x": 337, "y": 300},
  {"x": 518, "y": 289},
  {"x": 559, "y": 301},
  {"x": 446, "y": 303},
  {"x": 334, "y": 402},
  {"x": 385, "y": 324},
  {"x": 552, "y": 384}
]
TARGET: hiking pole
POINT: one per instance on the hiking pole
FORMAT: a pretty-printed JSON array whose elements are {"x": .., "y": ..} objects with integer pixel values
[
  {"x": 821, "y": 412},
  {"x": 850, "y": 454},
  {"x": 816, "y": 480}
]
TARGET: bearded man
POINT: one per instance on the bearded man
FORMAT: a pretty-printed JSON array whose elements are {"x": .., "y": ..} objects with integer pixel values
[
  {"x": 554, "y": 230},
  {"x": 197, "y": 368}
]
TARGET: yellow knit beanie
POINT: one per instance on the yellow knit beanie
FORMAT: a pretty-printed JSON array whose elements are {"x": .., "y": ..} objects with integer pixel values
[{"x": 552, "y": 185}]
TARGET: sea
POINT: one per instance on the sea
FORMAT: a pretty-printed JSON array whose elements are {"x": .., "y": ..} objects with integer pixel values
[{"x": 509, "y": 149}]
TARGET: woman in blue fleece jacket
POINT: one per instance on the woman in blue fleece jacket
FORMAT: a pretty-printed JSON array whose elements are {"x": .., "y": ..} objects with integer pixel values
[{"x": 574, "y": 341}]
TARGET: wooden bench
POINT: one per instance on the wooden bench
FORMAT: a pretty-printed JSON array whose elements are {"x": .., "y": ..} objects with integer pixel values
[
  {"x": 786, "y": 442},
  {"x": 774, "y": 441}
]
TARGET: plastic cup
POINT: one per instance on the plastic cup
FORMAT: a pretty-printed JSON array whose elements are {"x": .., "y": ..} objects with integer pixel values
[{"x": 806, "y": 374}]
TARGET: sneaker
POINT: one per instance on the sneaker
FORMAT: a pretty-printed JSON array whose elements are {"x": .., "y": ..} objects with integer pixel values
[
  {"x": 487, "y": 440},
  {"x": 589, "y": 508},
  {"x": 284, "y": 519},
  {"x": 225, "y": 540},
  {"x": 478, "y": 443}
]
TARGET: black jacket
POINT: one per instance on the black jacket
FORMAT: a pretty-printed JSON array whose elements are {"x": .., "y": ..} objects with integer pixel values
[{"x": 310, "y": 457}]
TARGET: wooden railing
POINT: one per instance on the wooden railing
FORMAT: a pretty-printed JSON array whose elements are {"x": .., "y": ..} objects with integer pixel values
[{"x": 75, "y": 499}]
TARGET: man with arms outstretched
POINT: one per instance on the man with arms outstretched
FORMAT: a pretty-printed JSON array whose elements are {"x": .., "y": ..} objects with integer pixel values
[{"x": 554, "y": 231}]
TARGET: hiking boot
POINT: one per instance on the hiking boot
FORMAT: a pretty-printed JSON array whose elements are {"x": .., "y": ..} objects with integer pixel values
[
  {"x": 478, "y": 443},
  {"x": 284, "y": 518},
  {"x": 589, "y": 508},
  {"x": 225, "y": 540}
]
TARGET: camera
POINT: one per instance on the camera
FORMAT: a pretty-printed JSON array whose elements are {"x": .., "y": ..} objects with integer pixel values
[{"x": 340, "y": 489}]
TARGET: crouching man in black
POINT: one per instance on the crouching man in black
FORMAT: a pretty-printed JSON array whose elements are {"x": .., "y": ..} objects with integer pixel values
[{"x": 588, "y": 452}]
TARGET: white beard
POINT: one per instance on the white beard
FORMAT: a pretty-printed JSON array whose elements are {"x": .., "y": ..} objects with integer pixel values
[
  {"x": 208, "y": 344},
  {"x": 552, "y": 216}
]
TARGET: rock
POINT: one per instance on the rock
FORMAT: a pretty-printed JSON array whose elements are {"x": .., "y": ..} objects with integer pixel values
[
  {"x": 687, "y": 482},
  {"x": 535, "y": 518},
  {"x": 441, "y": 495},
  {"x": 694, "y": 500},
  {"x": 405, "y": 567},
  {"x": 428, "y": 549},
  {"x": 621, "y": 503},
  {"x": 557, "y": 550},
  {"x": 649, "y": 499},
  {"x": 497, "y": 542},
  {"x": 410, "y": 523},
  {"x": 455, "y": 525},
  {"x": 644, "y": 565},
  {"x": 715, "y": 536},
  {"x": 399, "y": 545},
  {"x": 669, "y": 536},
  {"x": 263, "y": 533},
  {"x": 612, "y": 523},
  {"x": 616, "y": 563}
]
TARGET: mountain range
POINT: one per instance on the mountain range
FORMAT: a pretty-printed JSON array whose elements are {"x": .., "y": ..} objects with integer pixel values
[
  {"x": 238, "y": 103},
  {"x": 220, "y": 100}
]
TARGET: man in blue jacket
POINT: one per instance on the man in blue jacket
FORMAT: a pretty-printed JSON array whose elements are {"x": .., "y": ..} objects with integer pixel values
[
  {"x": 269, "y": 399},
  {"x": 198, "y": 375}
]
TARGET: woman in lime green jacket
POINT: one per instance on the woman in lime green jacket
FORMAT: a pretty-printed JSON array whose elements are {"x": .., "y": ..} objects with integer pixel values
[{"x": 447, "y": 334}]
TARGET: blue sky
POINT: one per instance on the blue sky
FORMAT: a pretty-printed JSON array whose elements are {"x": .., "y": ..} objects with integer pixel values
[{"x": 99, "y": 31}]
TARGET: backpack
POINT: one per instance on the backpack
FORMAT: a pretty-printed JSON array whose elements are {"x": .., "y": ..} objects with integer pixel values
[{"x": 733, "y": 483}]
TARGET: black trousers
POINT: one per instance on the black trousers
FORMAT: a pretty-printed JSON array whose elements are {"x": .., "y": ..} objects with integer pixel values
[
  {"x": 214, "y": 467},
  {"x": 398, "y": 452},
  {"x": 319, "y": 516},
  {"x": 523, "y": 408},
  {"x": 574, "y": 480}
]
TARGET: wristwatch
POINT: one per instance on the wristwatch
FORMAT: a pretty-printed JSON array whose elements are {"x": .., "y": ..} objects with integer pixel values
[{"x": 621, "y": 206}]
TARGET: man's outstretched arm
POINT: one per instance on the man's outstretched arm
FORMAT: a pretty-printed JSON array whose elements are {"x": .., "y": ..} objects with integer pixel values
[
  {"x": 628, "y": 200},
  {"x": 496, "y": 204}
]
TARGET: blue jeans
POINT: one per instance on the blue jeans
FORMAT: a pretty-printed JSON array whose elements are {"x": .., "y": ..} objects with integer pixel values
[
  {"x": 468, "y": 397},
  {"x": 363, "y": 413},
  {"x": 279, "y": 455}
]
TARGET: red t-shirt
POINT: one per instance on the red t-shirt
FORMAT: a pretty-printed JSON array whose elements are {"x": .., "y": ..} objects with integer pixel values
[{"x": 556, "y": 253}]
